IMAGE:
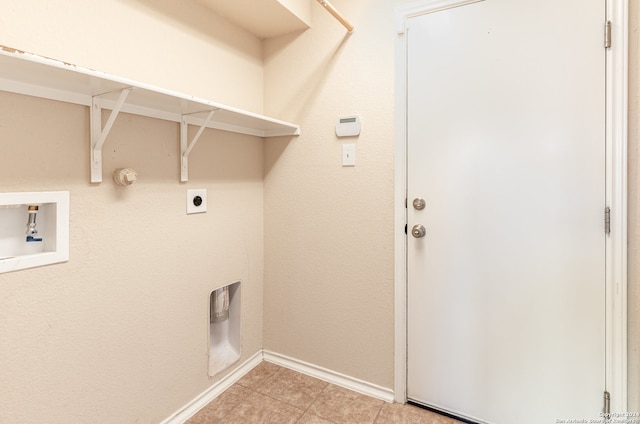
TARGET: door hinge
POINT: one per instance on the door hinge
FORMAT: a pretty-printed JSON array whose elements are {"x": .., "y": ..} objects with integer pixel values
[
  {"x": 607, "y": 220},
  {"x": 607, "y": 405},
  {"x": 607, "y": 34}
]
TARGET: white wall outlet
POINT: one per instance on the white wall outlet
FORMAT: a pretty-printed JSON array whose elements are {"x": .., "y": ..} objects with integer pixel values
[
  {"x": 348, "y": 155},
  {"x": 196, "y": 201}
]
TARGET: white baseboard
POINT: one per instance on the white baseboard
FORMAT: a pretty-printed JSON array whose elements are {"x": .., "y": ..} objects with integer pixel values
[
  {"x": 214, "y": 391},
  {"x": 330, "y": 376},
  {"x": 311, "y": 370}
]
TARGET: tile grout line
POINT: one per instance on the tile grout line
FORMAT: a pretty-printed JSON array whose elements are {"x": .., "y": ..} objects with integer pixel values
[
  {"x": 315, "y": 398},
  {"x": 222, "y": 394},
  {"x": 304, "y": 411},
  {"x": 314, "y": 401},
  {"x": 251, "y": 390},
  {"x": 263, "y": 382},
  {"x": 375, "y": 420},
  {"x": 254, "y": 391}
]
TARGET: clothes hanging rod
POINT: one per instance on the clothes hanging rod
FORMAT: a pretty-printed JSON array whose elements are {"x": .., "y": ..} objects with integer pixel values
[{"x": 327, "y": 5}]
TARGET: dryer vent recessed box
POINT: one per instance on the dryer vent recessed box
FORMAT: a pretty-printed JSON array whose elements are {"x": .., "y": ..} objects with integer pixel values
[{"x": 348, "y": 126}]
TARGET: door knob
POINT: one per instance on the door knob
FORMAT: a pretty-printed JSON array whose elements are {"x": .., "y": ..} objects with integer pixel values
[
  {"x": 418, "y": 231},
  {"x": 419, "y": 203}
]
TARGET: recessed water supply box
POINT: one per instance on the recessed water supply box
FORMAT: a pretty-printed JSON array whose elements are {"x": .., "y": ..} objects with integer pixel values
[
  {"x": 34, "y": 229},
  {"x": 224, "y": 327}
]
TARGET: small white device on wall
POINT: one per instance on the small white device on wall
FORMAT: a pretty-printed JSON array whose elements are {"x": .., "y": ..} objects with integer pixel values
[
  {"x": 34, "y": 229},
  {"x": 196, "y": 201},
  {"x": 348, "y": 126}
]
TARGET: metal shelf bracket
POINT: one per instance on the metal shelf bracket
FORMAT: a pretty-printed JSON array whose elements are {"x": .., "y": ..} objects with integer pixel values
[
  {"x": 99, "y": 134},
  {"x": 186, "y": 146}
]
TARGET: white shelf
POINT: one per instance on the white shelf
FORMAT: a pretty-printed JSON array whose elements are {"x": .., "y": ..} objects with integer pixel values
[
  {"x": 264, "y": 18},
  {"x": 33, "y": 75}
]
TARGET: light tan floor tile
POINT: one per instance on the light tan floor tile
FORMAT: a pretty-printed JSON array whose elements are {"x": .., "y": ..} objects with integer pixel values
[
  {"x": 308, "y": 418},
  {"x": 296, "y": 389},
  {"x": 407, "y": 414},
  {"x": 258, "y": 375},
  {"x": 260, "y": 409},
  {"x": 221, "y": 406},
  {"x": 270, "y": 394},
  {"x": 343, "y": 406}
]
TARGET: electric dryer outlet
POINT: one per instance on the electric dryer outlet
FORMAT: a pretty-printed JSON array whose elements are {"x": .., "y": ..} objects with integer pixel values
[{"x": 196, "y": 201}]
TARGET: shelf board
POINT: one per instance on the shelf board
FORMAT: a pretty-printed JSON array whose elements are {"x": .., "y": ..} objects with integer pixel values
[
  {"x": 264, "y": 18},
  {"x": 33, "y": 75}
]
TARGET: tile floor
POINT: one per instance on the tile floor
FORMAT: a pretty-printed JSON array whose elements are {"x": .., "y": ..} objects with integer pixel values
[{"x": 270, "y": 394}]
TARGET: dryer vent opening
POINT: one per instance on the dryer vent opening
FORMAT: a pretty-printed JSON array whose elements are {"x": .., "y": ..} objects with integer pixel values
[{"x": 224, "y": 327}]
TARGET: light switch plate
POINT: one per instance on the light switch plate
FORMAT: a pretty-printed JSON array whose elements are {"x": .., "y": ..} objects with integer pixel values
[
  {"x": 348, "y": 155},
  {"x": 196, "y": 201}
]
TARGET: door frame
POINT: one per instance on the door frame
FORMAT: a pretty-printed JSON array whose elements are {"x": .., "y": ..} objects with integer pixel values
[{"x": 616, "y": 195}]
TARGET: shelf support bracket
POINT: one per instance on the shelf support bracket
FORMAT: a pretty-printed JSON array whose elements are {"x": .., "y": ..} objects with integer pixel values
[
  {"x": 186, "y": 147},
  {"x": 99, "y": 134}
]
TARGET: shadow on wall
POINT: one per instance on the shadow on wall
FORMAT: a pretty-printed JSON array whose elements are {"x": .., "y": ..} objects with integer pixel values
[
  {"x": 277, "y": 146},
  {"x": 45, "y": 143},
  {"x": 195, "y": 18},
  {"x": 225, "y": 156},
  {"x": 56, "y": 148},
  {"x": 152, "y": 148},
  {"x": 311, "y": 87}
]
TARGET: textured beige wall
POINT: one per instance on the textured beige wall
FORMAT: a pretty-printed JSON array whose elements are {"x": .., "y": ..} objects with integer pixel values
[
  {"x": 329, "y": 230},
  {"x": 159, "y": 42},
  {"x": 119, "y": 333}
]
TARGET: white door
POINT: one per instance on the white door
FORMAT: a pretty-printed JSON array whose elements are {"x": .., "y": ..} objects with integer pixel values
[{"x": 506, "y": 145}]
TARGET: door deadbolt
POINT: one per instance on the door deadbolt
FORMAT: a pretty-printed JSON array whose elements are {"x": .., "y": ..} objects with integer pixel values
[
  {"x": 418, "y": 231},
  {"x": 418, "y": 203}
]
